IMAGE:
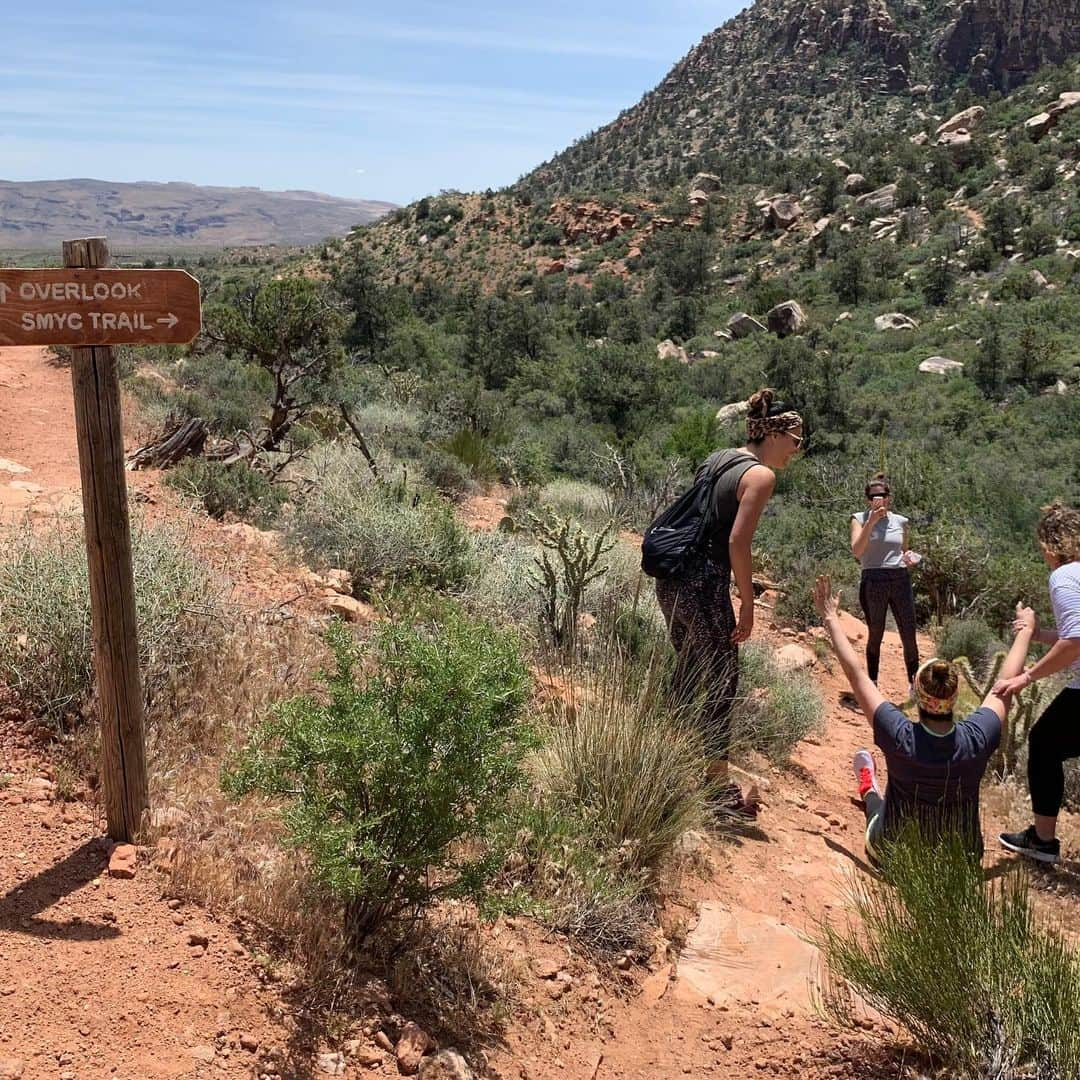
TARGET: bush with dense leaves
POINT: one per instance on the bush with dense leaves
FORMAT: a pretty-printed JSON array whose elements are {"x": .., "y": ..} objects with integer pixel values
[{"x": 395, "y": 783}]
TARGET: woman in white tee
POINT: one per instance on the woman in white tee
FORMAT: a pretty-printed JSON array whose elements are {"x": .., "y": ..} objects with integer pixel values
[
  {"x": 1055, "y": 737},
  {"x": 879, "y": 540}
]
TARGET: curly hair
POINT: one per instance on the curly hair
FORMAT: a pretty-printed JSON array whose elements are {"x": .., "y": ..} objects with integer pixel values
[{"x": 1059, "y": 531}]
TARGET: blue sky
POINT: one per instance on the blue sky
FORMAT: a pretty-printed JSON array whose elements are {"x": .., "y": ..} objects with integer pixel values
[{"x": 389, "y": 102}]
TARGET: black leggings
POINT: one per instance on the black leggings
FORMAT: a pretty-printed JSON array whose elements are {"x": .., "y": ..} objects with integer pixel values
[
  {"x": 880, "y": 590},
  {"x": 1053, "y": 740}
]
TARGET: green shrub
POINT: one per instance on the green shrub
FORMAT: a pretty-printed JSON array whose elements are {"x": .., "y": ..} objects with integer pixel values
[
  {"x": 228, "y": 489},
  {"x": 45, "y": 637},
  {"x": 775, "y": 710},
  {"x": 448, "y": 474},
  {"x": 972, "y": 638},
  {"x": 383, "y": 533},
  {"x": 959, "y": 962},
  {"x": 395, "y": 786},
  {"x": 473, "y": 451}
]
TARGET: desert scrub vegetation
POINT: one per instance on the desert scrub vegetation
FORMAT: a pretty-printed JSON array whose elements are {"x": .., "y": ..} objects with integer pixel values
[
  {"x": 960, "y": 962},
  {"x": 221, "y": 489},
  {"x": 775, "y": 709},
  {"x": 393, "y": 783},
  {"x": 45, "y": 633},
  {"x": 382, "y": 531},
  {"x": 617, "y": 781}
]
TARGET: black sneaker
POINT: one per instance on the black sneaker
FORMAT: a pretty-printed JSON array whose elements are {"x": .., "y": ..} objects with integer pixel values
[{"x": 1028, "y": 844}]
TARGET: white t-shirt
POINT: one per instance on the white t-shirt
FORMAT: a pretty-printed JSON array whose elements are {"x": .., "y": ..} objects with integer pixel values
[
  {"x": 885, "y": 543},
  {"x": 1065, "y": 600}
]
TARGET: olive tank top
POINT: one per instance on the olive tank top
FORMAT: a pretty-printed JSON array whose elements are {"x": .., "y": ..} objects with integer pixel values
[{"x": 724, "y": 504}]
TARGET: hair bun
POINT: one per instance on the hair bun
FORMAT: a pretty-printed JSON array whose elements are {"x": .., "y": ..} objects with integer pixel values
[
  {"x": 941, "y": 670},
  {"x": 761, "y": 401}
]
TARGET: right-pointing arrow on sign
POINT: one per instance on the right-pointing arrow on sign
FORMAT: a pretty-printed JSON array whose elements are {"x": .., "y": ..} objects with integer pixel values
[{"x": 169, "y": 320}]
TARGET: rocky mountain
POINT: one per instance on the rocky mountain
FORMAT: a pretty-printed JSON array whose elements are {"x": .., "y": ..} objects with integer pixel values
[
  {"x": 43, "y": 213},
  {"x": 792, "y": 75}
]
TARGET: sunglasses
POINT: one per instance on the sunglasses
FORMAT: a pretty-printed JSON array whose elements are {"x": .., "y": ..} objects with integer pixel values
[{"x": 798, "y": 440}]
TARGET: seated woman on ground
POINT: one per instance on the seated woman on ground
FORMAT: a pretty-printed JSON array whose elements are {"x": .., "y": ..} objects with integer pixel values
[{"x": 937, "y": 764}]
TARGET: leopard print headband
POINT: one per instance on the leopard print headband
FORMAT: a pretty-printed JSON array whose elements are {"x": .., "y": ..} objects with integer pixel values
[{"x": 757, "y": 427}]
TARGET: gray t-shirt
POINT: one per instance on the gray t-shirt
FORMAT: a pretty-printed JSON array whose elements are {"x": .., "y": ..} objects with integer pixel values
[
  {"x": 935, "y": 778},
  {"x": 886, "y": 542}
]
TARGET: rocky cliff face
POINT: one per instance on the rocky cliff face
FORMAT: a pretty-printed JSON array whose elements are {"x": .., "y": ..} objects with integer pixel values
[
  {"x": 788, "y": 75},
  {"x": 999, "y": 43}
]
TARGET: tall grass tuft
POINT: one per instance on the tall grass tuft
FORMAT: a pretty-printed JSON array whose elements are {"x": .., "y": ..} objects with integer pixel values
[
  {"x": 960, "y": 962},
  {"x": 620, "y": 779}
]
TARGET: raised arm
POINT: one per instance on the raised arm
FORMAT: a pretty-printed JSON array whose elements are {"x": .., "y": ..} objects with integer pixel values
[
  {"x": 860, "y": 534},
  {"x": 827, "y": 604},
  {"x": 757, "y": 486},
  {"x": 1000, "y": 697}
]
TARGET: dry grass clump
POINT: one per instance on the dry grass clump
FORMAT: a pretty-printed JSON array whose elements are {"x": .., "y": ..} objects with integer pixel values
[{"x": 45, "y": 636}]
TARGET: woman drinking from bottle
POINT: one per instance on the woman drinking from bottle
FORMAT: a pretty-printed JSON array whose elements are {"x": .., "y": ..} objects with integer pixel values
[{"x": 879, "y": 540}]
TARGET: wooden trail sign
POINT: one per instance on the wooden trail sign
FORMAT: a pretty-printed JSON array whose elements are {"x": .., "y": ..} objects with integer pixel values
[
  {"x": 92, "y": 308},
  {"x": 98, "y": 307}
]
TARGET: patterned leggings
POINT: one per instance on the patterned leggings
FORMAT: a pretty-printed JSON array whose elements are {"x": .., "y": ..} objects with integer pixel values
[
  {"x": 880, "y": 590},
  {"x": 701, "y": 619}
]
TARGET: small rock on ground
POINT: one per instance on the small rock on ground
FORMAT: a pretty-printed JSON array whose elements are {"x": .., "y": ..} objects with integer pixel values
[{"x": 446, "y": 1065}]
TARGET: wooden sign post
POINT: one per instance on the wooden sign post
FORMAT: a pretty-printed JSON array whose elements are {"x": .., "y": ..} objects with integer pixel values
[{"x": 92, "y": 308}]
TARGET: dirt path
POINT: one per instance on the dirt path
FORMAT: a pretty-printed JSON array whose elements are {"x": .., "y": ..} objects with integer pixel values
[{"x": 103, "y": 977}]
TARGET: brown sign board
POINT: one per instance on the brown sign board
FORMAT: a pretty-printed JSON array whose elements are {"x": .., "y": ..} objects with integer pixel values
[{"x": 98, "y": 307}]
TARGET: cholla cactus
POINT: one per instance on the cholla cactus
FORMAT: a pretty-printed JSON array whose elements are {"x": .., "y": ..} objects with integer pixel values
[
  {"x": 1018, "y": 722},
  {"x": 562, "y": 581}
]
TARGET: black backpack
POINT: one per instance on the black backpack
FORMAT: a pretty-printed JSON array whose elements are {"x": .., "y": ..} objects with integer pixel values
[{"x": 678, "y": 532}]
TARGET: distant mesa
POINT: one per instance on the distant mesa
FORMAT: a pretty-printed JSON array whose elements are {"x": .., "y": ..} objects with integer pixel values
[{"x": 42, "y": 213}]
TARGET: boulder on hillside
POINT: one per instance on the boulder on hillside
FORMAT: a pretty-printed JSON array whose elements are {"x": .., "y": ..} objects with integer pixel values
[
  {"x": 919, "y": 140},
  {"x": 1038, "y": 280},
  {"x": 856, "y": 184},
  {"x": 820, "y": 226},
  {"x": 882, "y": 198},
  {"x": 895, "y": 321},
  {"x": 786, "y": 319},
  {"x": 706, "y": 182},
  {"x": 1039, "y": 124},
  {"x": 729, "y": 414},
  {"x": 781, "y": 212},
  {"x": 668, "y": 350},
  {"x": 742, "y": 325},
  {"x": 955, "y": 140},
  {"x": 844, "y": 316},
  {"x": 723, "y": 335},
  {"x": 968, "y": 119},
  {"x": 697, "y": 197},
  {"x": 841, "y": 164},
  {"x": 940, "y": 365}
]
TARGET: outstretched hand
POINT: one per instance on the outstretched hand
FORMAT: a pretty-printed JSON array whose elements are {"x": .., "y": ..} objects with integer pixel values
[{"x": 826, "y": 602}]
